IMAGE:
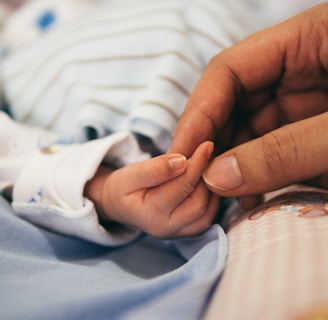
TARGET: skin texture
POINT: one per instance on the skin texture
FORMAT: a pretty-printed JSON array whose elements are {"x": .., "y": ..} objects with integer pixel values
[
  {"x": 164, "y": 196},
  {"x": 264, "y": 103}
]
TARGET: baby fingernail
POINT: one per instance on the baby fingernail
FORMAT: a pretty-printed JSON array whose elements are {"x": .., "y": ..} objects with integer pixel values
[
  {"x": 177, "y": 162},
  {"x": 224, "y": 173},
  {"x": 210, "y": 150}
]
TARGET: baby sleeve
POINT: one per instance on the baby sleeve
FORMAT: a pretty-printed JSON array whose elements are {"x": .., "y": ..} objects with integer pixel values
[
  {"x": 48, "y": 179},
  {"x": 17, "y": 144},
  {"x": 49, "y": 191}
]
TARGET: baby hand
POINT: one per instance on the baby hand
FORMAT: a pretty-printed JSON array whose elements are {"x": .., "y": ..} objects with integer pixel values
[{"x": 163, "y": 196}]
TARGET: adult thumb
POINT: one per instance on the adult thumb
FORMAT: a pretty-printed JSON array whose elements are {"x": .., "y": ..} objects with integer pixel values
[{"x": 293, "y": 153}]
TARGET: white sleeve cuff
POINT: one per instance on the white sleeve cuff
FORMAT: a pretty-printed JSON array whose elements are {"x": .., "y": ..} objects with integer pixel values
[
  {"x": 49, "y": 191},
  {"x": 18, "y": 143}
]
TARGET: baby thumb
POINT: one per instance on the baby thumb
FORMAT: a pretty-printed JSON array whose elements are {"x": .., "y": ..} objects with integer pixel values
[{"x": 287, "y": 155}]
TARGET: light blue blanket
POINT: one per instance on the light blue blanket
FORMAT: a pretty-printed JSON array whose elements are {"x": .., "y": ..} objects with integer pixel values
[{"x": 49, "y": 276}]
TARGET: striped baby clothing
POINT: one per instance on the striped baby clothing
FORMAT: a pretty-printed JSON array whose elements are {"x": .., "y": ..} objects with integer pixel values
[{"x": 119, "y": 66}]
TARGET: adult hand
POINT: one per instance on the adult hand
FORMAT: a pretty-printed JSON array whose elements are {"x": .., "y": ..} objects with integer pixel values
[{"x": 266, "y": 97}]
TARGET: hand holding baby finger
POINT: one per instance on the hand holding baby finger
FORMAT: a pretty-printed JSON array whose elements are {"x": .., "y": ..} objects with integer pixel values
[
  {"x": 182, "y": 206},
  {"x": 291, "y": 154},
  {"x": 167, "y": 196},
  {"x": 160, "y": 199}
]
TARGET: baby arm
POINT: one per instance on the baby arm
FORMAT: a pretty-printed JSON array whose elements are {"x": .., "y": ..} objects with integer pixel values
[{"x": 163, "y": 196}]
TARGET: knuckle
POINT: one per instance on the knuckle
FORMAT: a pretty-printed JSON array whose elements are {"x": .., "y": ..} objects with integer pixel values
[
  {"x": 153, "y": 172},
  {"x": 188, "y": 186},
  {"x": 280, "y": 152},
  {"x": 200, "y": 209}
]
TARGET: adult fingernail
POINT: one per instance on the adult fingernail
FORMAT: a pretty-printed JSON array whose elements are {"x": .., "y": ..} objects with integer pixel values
[
  {"x": 177, "y": 162},
  {"x": 224, "y": 173}
]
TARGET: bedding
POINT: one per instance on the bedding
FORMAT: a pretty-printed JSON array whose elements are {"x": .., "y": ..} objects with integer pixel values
[
  {"x": 277, "y": 259},
  {"x": 51, "y": 271},
  {"x": 44, "y": 275}
]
